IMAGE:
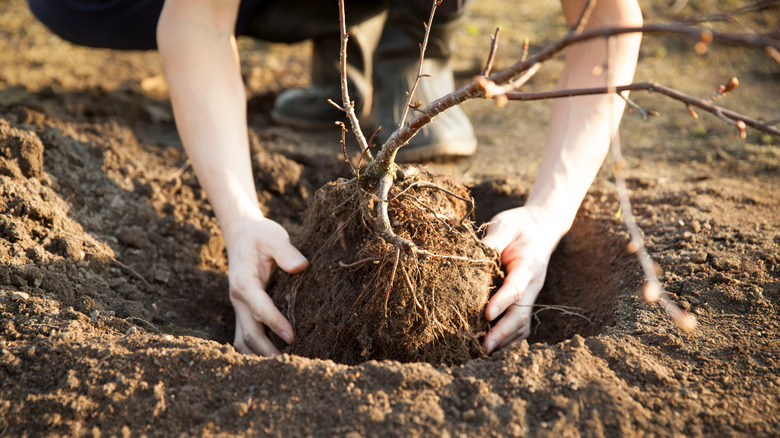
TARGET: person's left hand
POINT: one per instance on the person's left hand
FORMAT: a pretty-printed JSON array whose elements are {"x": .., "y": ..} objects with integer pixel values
[
  {"x": 256, "y": 246},
  {"x": 526, "y": 238}
]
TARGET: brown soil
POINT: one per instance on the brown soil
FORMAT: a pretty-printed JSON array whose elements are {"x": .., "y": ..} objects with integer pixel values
[{"x": 114, "y": 317}]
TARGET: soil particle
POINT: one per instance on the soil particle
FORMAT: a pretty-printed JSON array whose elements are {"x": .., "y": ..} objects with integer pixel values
[{"x": 23, "y": 147}]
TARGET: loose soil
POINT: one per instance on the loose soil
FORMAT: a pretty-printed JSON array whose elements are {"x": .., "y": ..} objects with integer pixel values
[{"x": 114, "y": 316}]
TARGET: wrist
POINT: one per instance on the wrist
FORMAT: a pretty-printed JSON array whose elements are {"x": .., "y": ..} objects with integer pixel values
[
  {"x": 558, "y": 221},
  {"x": 233, "y": 225}
]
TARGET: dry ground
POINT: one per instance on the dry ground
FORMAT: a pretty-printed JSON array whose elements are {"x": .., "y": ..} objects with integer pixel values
[{"x": 114, "y": 316}]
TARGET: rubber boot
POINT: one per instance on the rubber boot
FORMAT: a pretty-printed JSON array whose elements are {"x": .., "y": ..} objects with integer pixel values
[
  {"x": 284, "y": 21},
  {"x": 395, "y": 70}
]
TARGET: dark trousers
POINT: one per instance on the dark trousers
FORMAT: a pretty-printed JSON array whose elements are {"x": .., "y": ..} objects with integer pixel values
[{"x": 132, "y": 24}]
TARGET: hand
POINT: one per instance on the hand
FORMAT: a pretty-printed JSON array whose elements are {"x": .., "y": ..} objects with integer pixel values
[
  {"x": 526, "y": 238},
  {"x": 255, "y": 246}
]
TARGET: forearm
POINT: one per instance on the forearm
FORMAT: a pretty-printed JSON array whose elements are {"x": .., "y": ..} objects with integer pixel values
[
  {"x": 200, "y": 61},
  {"x": 581, "y": 128}
]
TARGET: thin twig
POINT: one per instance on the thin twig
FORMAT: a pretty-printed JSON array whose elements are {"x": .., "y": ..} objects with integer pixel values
[
  {"x": 729, "y": 16},
  {"x": 348, "y": 105},
  {"x": 492, "y": 54},
  {"x": 423, "y": 46},
  {"x": 526, "y": 45},
  {"x": 582, "y": 20},
  {"x": 386, "y": 157},
  {"x": 653, "y": 291},
  {"x": 355, "y": 173},
  {"x": 657, "y": 88}
]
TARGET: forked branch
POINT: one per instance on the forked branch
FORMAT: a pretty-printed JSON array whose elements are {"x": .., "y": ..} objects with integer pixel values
[
  {"x": 348, "y": 106},
  {"x": 706, "y": 105},
  {"x": 477, "y": 87}
]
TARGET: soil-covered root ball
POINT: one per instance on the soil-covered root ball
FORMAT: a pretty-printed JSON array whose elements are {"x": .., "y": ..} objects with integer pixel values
[{"x": 362, "y": 298}]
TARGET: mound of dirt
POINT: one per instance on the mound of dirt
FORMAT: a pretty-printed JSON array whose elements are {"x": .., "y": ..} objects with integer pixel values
[{"x": 363, "y": 298}]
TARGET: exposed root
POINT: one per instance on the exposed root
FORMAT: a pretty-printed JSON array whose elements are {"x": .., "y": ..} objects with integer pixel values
[
  {"x": 373, "y": 298},
  {"x": 384, "y": 229},
  {"x": 392, "y": 277}
]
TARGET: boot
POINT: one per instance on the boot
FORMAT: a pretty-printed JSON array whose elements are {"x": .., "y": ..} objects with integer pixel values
[
  {"x": 283, "y": 21},
  {"x": 395, "y": 69}
]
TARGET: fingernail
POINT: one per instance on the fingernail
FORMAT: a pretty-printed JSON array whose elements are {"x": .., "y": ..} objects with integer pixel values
[
  {"x": 286, "y": 336},
  {"x": 296, "y": 262},
  {"x": 491, "y": 346}
]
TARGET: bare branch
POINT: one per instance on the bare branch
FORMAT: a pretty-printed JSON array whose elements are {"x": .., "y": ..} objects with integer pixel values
[
  {"x": 653, "y": 291},
  {"x": 658, "y": 88},
  {"x": 582, "y": 20},
  {"x": 386, "y": 157},
  {"x": 423, "y": 46},
  {"x": 730, "y": 16},
  {"x": 492, "y": 53},
  {"x": 344, "y": 150},
  {"x": 348, "y": 105}
]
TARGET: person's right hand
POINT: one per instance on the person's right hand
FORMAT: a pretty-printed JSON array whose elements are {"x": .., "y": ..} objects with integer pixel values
[
  {"x": 255, "y": 246},
  {"x": 525, "y": 237}
]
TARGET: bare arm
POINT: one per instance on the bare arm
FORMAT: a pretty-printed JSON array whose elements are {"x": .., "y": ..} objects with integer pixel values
[
  {"x": 581, "y": 129},
  {"x": 200, "y": 60}
]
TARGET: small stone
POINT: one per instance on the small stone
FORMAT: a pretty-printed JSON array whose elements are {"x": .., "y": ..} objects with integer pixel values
[
  {"x": 133, "y": 330},
  {"x": 20, "y": 296},
  {"x": 696, "y": 226},
  {"x": 162, "y": 275},
  {"x": 699, "y": 257},
  {"x": 469, "y": 415}
]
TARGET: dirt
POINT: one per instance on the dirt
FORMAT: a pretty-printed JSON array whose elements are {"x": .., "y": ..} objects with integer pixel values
[{"x": 114, "y": 316}]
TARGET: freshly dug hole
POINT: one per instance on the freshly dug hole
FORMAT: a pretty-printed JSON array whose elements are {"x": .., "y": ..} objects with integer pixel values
[
  {"x": 362, "y": 299},
  {"x": 589, "y": 271}
]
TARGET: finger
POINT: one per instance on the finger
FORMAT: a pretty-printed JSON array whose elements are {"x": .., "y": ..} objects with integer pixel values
[
  {"x": 248, "y": 290},
  {"x": 238, "y": 341},
  {"x": 522, "y": 333},
  {"x": 512, "y": 291},
  {"x": 499, "y": 235},
  {"x": 513, "y": 326},
  {"x": 250, "y": 336},
  {"x": 285, "y": 254}
]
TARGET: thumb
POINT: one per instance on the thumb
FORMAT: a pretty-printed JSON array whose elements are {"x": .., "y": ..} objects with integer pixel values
[
  {"x": 499, "y": 235},
  {"x": 288, "y": 257}
]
